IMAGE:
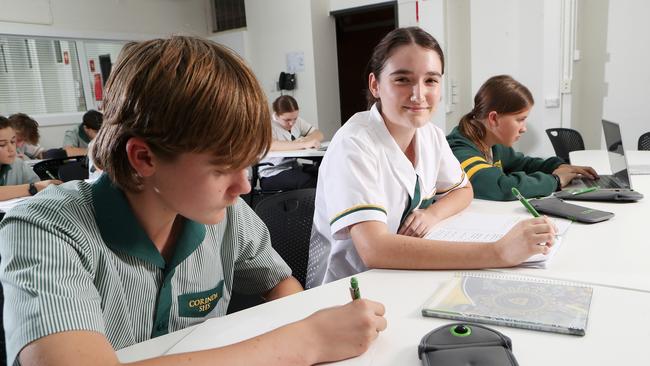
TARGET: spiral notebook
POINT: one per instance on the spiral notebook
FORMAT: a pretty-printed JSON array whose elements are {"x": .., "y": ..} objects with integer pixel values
[{"x": 513, "y": 301}]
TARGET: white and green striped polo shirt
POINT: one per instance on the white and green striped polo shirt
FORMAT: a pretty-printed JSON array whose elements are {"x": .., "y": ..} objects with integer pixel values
[{"x": 75, "y": 258}]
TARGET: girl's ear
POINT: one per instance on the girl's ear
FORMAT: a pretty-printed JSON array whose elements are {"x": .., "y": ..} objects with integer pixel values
[
  {"x": 373, "y": 85},
  {"x": 493, "y": 119},
  {"x": 140, "y": 157}
]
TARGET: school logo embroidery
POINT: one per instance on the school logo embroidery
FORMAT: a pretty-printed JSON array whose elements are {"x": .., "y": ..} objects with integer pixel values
[{"x": 199, "y": 304}]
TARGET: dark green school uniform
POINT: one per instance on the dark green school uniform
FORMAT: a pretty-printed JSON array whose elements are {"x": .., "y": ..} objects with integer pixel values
[{"x": 494, "y": 180}]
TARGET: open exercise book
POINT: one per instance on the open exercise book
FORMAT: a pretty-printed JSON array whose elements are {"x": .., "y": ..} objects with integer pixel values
[
  {"x": 519, "y": 302},
  {"x": 481, "y": 227}
]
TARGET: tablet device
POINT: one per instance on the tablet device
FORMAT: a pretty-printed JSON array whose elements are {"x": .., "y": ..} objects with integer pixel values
[
  {"x": 614, "y": 195},
  {"x": 554, "y": 206}
]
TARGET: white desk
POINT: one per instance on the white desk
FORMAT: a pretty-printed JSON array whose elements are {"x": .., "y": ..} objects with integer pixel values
[
  {"x": 305, "y": 153},
  {"x": 613, "y": 313},
  {"x": 638, "y": 160},
  {"x": 612, "y": 255}
]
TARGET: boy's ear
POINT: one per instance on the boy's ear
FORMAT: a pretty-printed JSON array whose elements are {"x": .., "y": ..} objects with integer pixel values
[{"x": 140, "y": 157}]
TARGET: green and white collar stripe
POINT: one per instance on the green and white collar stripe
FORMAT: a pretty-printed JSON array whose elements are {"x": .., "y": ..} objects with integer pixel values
[{"x": 74, "y": 258}]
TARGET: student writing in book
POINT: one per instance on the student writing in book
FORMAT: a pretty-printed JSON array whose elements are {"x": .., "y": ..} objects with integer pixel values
[
  {"x": 290, "y": 132},
  {"x": 386, "y": 166},
  {"x": 483, "y": 141},
  {"x": 17, "y": 179},
  {"x": 159, "y": 242}
]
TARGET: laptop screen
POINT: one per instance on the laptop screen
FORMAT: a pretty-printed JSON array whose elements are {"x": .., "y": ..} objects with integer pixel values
[{"x": 615, "y": 150}]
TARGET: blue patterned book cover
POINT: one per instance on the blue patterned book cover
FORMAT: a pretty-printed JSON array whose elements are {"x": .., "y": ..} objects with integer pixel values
[{"x": 519, "y": 302}]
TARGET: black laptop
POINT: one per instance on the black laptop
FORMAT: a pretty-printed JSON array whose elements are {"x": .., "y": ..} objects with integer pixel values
[{"x": 614, "y": 187}]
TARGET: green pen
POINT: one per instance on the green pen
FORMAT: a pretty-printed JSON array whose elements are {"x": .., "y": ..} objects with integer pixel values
[
  {"x": 585, "y": 190},
  {"x": 354, "y": 289},
  {"x": 525, "y": 202}
]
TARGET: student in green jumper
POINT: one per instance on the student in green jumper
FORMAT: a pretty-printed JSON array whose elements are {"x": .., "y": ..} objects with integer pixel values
[
  {"x": 75, "y": 141},
  {"x": 159, "y": 242},
  {"x": 483, "y": 141},
  {"x": 17, "y": 179}
]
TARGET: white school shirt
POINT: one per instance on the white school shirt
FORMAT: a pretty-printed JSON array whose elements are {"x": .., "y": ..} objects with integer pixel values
[
  {"x": 365, "y": 176},
  {"x": 300, "y": 129}
]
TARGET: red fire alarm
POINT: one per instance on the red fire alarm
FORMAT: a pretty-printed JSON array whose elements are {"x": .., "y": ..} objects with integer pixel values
[
  {"x": 66, "y": 57},
  {"x": 91, "y": 64}
]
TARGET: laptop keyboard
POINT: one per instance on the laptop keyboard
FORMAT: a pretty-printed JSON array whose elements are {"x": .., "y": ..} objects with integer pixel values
[{"x": 605, "y": 181}]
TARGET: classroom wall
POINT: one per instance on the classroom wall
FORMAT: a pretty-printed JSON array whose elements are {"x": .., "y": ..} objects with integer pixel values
[
  {"x": 275, "y": 28},
  {"x": 627, "y": 75},
  {"x": 97, "y": 19},
  {"x": 589, "y": 76},
  {"x": 520, "y": 39},
  {"x": 458, "y": 66},
  {"x": 328, "y": 104}
]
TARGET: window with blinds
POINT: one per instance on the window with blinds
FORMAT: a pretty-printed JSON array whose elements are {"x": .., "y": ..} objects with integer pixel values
[
  {"x": 48, "y": 76},
  {"x": 228, "y": 14},
  {"x": 39, "y": 76}
]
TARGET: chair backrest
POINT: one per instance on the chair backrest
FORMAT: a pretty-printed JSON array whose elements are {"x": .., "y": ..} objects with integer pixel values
[
  {"x": 565, "y": 140},
  {"x": 74, "y": 170},
  {"x": 49, "y": 169},
  {"x": 289, "y": 216},
  {"x": 644, "y": 141},
  {"x": 58, "y": 153}
]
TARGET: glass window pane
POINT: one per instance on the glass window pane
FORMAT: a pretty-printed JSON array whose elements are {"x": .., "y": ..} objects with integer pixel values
[{"x": 39, "y": 76}]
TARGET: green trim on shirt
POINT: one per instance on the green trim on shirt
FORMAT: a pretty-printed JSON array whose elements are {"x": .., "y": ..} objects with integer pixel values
[{"x": 355, "y": 209}]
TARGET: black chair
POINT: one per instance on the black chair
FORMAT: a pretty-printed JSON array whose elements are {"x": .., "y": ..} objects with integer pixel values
[
  {"x": 565, "y": 140},
  {"x": 257, "y": 194},
  {"x": 55, "y": 154},
  {"x": 74, "y": 170},
  {"x": 51, "y": 168},
  {"x": 644, "y": 141},
  {"x": 288, "y": 216}
]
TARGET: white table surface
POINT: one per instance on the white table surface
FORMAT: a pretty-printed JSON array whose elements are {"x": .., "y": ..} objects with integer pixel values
[
  {"x": 617, "y": 331},
  {"x": 305, "y": 153},
  {"x": 613, "y": 256}
]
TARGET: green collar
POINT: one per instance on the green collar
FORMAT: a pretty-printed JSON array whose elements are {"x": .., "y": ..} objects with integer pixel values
[
  {"x": 82, "y": 134},
  {"x": 121, "y": 231},
  {"x": 4, "y": 169}
]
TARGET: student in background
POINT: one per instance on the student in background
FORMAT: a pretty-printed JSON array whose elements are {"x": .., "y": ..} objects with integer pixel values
[
  {"x": 17, "y": 179},
  {"x": 90, "y": 268},
  {"x": 75, "y": 141},
  {"x": 290, "y": 132},
  {"x": 483, "y": 141},
  {"x": 385, "y": 167},
  {"x": 27, "y": 136}
]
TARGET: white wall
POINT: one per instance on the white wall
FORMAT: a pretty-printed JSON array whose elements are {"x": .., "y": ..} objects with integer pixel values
[
  {"x": 328, "y": 104},
  {"x": 275, "y": 28},
  {"x": 520, "y": 39},
  {"x": 116, "y": 19},
  {"x": 100, "y": 19},
  {"x": 626, "y": 74},
  {"x": 589, "y": 73}
]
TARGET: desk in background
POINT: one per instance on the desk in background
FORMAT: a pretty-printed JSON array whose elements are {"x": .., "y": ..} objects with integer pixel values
[{"x": 304, "y": 153}]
